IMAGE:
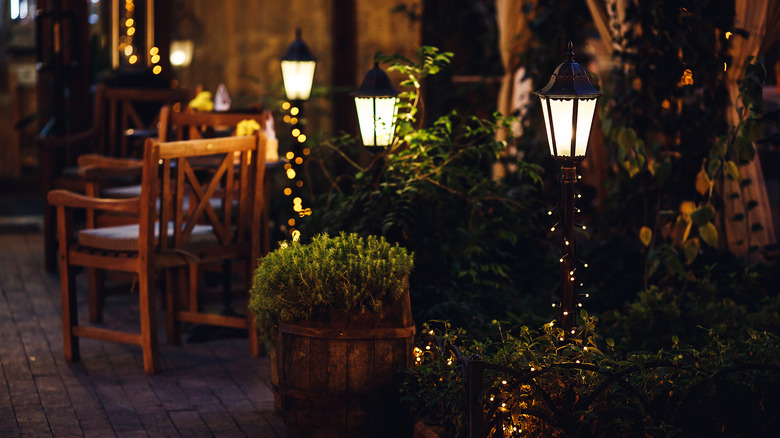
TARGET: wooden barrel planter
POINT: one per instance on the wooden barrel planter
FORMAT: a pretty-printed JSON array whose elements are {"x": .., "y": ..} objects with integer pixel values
[{"x": 337, "y": 371}]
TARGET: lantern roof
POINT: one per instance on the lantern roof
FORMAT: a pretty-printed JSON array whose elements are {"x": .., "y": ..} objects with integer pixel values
[
  {"x": 376, "y": 83},
  {"x": 569, "y": 80},
  {"x": 298, "y": 50}
]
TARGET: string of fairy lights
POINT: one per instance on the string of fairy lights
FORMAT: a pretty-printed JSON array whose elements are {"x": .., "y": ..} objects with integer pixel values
[
  {"x": 127, "y": 47},
  {"x": 293, "y": 114},
  {"x": 569, "y": 252}
]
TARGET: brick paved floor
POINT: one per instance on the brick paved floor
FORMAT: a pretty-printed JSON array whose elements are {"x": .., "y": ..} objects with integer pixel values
[{"x": 205, "y": 389}]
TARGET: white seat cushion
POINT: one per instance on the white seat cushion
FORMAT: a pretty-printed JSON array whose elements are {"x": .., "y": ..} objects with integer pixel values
[{"x": 125, "y": 237}]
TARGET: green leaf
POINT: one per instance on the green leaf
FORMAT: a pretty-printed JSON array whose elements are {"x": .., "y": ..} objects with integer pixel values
[
  {"x": 691, "y": 249},
  {"x": 610, "y": 342},
  {"x": 732, "y": 170},
  {"x": 703, "y": 214},
  {"x": 709, "y": 234}
]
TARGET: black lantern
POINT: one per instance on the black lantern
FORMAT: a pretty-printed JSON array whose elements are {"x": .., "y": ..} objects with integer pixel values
[
  {"x": 298, "y": 69},
  {"x": 569, "y": 106},
  {"x": 376, "y": 104}
]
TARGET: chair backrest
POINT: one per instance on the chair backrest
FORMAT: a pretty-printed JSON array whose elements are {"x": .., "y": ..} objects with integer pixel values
[
  {"x": 188, "y": 124},
  {"x": 120, "y": 112},
  {"x": 229, "y": 169}
]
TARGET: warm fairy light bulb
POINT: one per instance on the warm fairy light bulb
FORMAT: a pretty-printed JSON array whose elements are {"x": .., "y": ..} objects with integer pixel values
[
  {"x": 552, "y": 228},
  {"x": 585, "y": 348},
  {"x": 577, "y": 361},
  {"x": 572, "y": 331},
  {"x": 533, "y": 369},
  {"x": 294, "y": 111},
  {"x": 549, "y": 212},
  {"x": 579, "y": 304},
  {"x": 584, "y": 227},
  {"x": 566, "y": 242},
  {"x": 553, "y": 304},
  {"x": 503, "y": 382},
  {"x": 585, "y": 265},
  {"x": 286, "y": 105},
  {"x": 561, "y": 338},
  {"x": 560, "y": 259}
]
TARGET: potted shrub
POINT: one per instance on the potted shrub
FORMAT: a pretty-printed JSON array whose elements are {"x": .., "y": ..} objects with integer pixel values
[{"x": 337, "y": 317}]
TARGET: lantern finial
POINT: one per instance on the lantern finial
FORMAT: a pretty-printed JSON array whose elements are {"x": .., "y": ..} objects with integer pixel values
[{"x": 570, "y": 52}]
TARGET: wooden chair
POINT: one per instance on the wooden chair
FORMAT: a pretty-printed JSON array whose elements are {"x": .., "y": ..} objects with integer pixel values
[
  {"x": 173, "y": 125},
  {"x": 185, "y": 305},
  {"x": 121, "y": 115},
  {"x": 168, "y": 236}
]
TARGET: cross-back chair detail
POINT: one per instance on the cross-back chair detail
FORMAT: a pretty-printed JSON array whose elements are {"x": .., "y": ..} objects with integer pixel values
[
  {"x": 184, "y": 304},
  {"x": 167, "y": 237}
]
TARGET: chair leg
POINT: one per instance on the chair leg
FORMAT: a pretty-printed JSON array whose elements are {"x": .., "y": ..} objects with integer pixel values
[
  {"x": 149, "y": 343},
  {"x": 96, "y": 279},
  {"x": 173, "y": 280},
  {"x": 255, "y": 347},
  {"x": 49, "y": 238},
  {"x": 70, "y": 342}
]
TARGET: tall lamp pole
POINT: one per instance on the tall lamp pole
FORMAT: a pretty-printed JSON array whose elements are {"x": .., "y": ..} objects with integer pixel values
[
  {"x": 298, "y": 66},
  {"x": 569, "y": 105}
]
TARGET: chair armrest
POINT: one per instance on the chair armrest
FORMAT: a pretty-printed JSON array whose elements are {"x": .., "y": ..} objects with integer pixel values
[
  {"x": 105, "y": 161},
  {"x": 94, "y": 166},
  {"x": 66, "y": 198}
]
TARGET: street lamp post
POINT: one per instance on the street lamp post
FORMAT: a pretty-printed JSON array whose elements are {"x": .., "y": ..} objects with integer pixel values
[
  {"x": 298, "y": 66},
  {"x": 569, "y": 106}
]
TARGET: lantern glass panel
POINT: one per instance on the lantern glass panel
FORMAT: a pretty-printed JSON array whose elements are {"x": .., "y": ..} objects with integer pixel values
[
  {"x": 585, "y": 111},
  {"x": 547, "y": 122},
  {"x": 562, "y": 112},
  {"x": 298, "y": 77},
  {"x": 376, "y": 116}
]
